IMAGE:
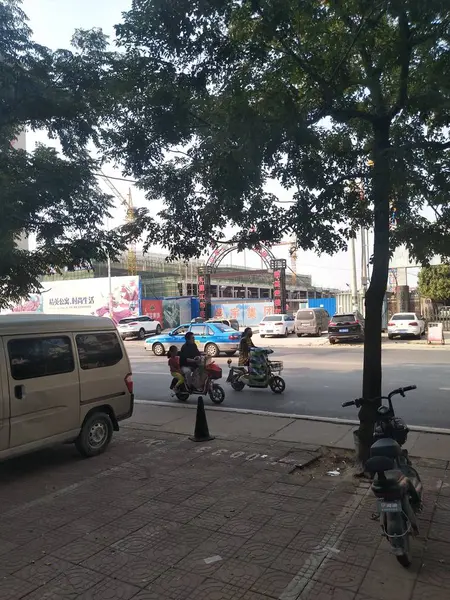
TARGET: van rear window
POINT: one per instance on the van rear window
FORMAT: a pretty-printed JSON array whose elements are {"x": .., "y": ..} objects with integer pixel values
[
  {"x": 305, "y": 315},
  {"x": 97, "y": 350},
  {"x": 40, "y": 357}
]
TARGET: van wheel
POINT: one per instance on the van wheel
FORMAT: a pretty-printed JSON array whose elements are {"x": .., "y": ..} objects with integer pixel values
[
  {"x": 319, "y": 332},
  {"x": 95, "y": 435}
]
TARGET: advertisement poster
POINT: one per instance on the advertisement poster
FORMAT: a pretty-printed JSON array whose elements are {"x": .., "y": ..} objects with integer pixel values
[
  {"x": 153, "y": 309},
  {"x": 87, "y": 297},
  {"x": 32, "y": 304},
  {"x": 176, "y": 311},
  {"x": 248, "y": 313}
]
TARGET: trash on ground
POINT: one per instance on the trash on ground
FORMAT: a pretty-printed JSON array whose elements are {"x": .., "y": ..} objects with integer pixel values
[
  {"x": 212, "y": 559},
  {"x": 333, "y": 473}
]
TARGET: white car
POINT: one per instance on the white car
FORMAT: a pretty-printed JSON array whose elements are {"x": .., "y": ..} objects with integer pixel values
[
  {"x": 405, "y": 324},
  {"x": 277, "y": 325},
  {"x": 138, "y": 327}
]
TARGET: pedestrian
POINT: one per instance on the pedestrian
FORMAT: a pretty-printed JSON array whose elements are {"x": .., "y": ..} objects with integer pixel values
[{"x": 174, "y": 367}]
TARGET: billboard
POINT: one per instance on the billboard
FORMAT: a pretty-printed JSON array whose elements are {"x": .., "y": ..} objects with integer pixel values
[{"x": 85, "y": 297}]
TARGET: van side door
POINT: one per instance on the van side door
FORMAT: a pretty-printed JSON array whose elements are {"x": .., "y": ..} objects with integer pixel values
[
  {"x": 4, "y": 402},
  {"x": 44, "y": 389}
]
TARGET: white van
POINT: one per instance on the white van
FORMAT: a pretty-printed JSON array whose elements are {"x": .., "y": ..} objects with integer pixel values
[
  {"x": 311, "y": 321},
  {"x": 62, "y": 379}
]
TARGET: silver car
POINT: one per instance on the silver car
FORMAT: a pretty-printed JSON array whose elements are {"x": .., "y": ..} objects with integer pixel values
[{"x": 138, "y": 327}]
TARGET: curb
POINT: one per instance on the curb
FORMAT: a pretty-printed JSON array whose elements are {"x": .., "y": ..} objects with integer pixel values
[{"x": 263, "y": 413}]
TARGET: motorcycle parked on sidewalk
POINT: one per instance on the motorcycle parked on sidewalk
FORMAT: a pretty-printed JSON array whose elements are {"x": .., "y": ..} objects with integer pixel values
[
  {"x": 396, "y": 484},
  {"x": 262, "y": 373},
  {"x": 204, "y": 383}
]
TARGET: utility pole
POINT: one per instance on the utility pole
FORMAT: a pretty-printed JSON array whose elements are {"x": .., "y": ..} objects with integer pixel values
[
  {"x": 354, "y": 285},
  {"x": 364, "y": 236}
]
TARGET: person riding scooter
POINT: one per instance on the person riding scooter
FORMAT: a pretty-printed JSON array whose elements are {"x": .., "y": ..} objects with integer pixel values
[
  {"x": 245, "y": 345},
  {"x": 189, "y": 357}
]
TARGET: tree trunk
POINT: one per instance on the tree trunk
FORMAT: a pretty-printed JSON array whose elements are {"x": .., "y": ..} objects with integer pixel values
[{"x": 381, "y": 187}]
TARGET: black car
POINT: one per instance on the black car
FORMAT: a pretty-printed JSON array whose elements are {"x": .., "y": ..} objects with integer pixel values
[{"x": 346, "y": 326}]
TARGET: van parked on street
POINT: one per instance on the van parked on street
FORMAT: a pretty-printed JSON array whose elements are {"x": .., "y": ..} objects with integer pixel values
[
  {"x": 63, "y": 378},
  {"x": 311, "y": 321}
]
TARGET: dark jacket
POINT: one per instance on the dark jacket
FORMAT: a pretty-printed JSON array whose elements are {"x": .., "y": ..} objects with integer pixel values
[{"x": 188, "y": 351}]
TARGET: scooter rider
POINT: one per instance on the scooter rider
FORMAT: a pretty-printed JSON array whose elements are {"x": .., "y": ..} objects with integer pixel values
[
  {"x": 189, "y": 357},
  {"x": 245, "y": 345}
]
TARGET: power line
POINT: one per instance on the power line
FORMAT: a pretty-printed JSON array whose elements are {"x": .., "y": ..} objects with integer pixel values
[{"x": 103, "y": 176}]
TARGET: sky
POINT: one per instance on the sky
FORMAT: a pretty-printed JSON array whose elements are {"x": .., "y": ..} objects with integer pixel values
[{"x": 53, "y": 23}]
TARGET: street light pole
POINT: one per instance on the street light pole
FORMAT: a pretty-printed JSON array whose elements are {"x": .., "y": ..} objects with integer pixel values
[{"x": 354, "y": 286}]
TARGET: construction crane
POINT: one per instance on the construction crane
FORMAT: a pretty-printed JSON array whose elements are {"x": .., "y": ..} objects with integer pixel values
[
  {"x": 129, "y": 216},
  {"x": 293, "y": 257}
]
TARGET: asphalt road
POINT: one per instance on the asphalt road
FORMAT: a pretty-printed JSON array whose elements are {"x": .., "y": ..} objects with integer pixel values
[{"x": 319, "y": 379}]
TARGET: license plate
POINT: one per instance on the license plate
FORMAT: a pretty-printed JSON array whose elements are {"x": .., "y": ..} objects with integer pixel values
[
  {"x": 343, "y": 330},
  {"x": 268, "y": 330},
  {"x": 389, "y": 507},
  {"x": 402, "y": 330}
]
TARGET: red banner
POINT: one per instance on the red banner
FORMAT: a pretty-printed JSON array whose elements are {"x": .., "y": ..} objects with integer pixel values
[{"x": 153, "y": 309}]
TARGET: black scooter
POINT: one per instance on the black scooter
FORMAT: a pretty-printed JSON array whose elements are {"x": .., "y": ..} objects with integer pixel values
[{"x": 396, "y": 484}]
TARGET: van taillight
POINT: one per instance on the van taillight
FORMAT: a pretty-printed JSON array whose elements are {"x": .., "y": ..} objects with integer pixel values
[{"x": 129, "y": 382}]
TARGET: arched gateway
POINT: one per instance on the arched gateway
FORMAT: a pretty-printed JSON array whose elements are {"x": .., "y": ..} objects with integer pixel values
[{"x": 278, "y": 266}]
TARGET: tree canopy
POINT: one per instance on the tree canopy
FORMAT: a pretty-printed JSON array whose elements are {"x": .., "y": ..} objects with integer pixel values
[
  {"x": 219, "y": 97},
  {"x": 49, "y": 194},
  {"x": 345, "y": 103},
  {"x": 434, "y": 283}
]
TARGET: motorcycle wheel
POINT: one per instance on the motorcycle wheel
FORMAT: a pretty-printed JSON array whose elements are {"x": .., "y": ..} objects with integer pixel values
[
  {"x": 182, "y": 396},
  {"x": 396, "y": 525},
  {"x": 277, "y": 384},
  {"x": 217, "y": 394},
  {"x": 238, "y": 386}
]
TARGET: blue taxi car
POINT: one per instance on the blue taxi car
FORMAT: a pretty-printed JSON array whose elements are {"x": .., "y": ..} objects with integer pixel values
[{"x": 211, "y": 338}]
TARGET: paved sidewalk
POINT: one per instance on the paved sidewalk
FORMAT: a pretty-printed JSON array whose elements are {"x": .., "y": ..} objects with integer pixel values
[
  {"x": 229, "y": 424},
  {"x": 159, "y": 517}
]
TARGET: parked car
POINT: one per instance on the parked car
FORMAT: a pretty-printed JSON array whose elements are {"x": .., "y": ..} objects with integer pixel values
[
  {"x": 311, "y": 321},
  {"x": 211, "y": 338},
  {"x": 406, "y": 324},
  {"x": 348, "y": 326},
  {"x": 138, "y": 327},
  {"x": 277, "y": 325},
  {"x": 64, "y": 379},
  {"x": 229, "y": 322}
]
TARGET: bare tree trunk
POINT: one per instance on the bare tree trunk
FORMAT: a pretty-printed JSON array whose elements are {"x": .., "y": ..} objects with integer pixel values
[{"x": 372, "y": 375}]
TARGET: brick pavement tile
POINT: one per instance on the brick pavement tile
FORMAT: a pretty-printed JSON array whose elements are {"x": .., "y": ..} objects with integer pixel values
[
  {"x": 200, "y": 500},
  {"x": 43, "y": 570},
  {"x": 437, "y": 551},
  {"x": 341, "y": 575},
  {"x": 140, "y": 571},
  {"x": 272, "y": 583},
  {"x": 434, "y": 463},
  {"x": 284, "y": 519},
  {"x": 110, "y": 590},
  {"x": 172, "y": 585},
  {"x": 298, "y": 506},
  {"x": 367, "y": 533},
  {"x": 106, "y": 535},
  {"x": 441, "y": 516},
  {"x": 77, "y": 551},
  {"x": 70, "y": 584},
  {"x": 107, "y": 562},
  {"x": 425, "y": 591},
  {"x": 6, "y": 547},
  {"x": 385, "y": 562},
  {"x": 259, "y": 553},
  {"x": 13, "y": 588},
  {"x": 184, "y": 514},
  {"x": 312, "y": 494},
  {"x": 381, "y": 587},
  {"x": 195, "y": 563},
  {"x": 439, "y": 532},
  {"x": 316, "y": 590},
  {"x": 253, "y": 596},
  {"x": 282, "y": 489},
  {"x": 211, "y": 589},
  {"x": 211, "y": 521},
  {"x": 239, "y": 573},
  {"x": 279, "y": 536},
  {"x": 241, "y": 526},
  {"x": 434, "y": 573},
  {"x": 308, "y": 539},
  {"x": 290, "y": 561},
  {"x": 355, "y": 554},
  {"x": 443, "y": 503},
  {"x": 17, "y": 559}
]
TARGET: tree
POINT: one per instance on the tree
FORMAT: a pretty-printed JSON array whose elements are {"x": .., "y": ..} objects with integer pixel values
[
  {"x": 434, "y": 283},
  {"x": 217, "y": 97},
  {"x": 51, "y": 195}
]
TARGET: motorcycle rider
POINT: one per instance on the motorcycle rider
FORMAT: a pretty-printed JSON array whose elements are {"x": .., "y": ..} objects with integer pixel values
[
  {"x": 189, "y": 357},
  {"x": 245, "y": 345}
]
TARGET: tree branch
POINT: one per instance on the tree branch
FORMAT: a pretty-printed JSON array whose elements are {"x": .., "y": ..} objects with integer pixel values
[{"x": 404, "y": 61}]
